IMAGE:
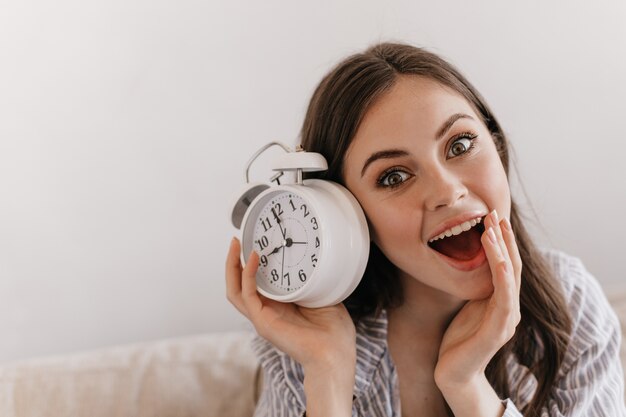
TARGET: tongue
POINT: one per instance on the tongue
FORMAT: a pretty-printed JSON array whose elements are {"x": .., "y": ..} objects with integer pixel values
[{"x": 462, "y": 247}]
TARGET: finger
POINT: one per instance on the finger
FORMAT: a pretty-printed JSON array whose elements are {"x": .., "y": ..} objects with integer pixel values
[
  {"x": 505, "y": 313},
  {"x": 493, "y": 221},
  {"x": 249, "y": 293},
  {"x": 497, "y": 264},
  {"x": 493, "y": 252},
  {"x": 507, "y": 299},
  {"x": 496, "y": 224},
  {"x": 516, "y": 259},
  {"x": 233, "y": 277}
]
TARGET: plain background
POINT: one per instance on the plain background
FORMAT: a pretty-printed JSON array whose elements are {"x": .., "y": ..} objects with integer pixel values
[{"x": 125, "y": 127}]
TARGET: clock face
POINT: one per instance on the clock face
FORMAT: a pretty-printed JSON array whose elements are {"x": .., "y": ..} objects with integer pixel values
[{"x": 286, "y": 235}]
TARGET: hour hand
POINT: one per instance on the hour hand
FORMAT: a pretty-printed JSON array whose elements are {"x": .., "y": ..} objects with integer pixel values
[{"x": 276, "y": 249}]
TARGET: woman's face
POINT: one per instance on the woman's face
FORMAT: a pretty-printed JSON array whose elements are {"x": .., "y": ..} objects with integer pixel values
[{"x": 422, "y": 163}]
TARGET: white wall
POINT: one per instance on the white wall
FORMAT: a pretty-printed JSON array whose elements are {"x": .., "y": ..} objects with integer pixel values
[{"x": 125, "y": 125}]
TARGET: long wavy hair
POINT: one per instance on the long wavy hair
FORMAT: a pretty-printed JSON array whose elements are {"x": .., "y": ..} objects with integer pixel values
[{"x": 335, "y": 111}]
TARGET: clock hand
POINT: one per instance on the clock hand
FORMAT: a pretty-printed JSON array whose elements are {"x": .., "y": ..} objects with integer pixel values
[
  {"x": 289, "y": 242},
  {"x": 276, "y": 249},
  {"x": 282, "y": 230},
  {"x": 282, "y": 267}
]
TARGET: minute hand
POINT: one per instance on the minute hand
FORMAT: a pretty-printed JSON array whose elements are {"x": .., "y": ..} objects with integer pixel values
[
  {"x": 282, "y": 231},
  {"x": 289, "y": 242}
]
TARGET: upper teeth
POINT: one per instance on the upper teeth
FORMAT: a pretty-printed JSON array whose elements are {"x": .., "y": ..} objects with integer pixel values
[{"x": 457, "y": 230}]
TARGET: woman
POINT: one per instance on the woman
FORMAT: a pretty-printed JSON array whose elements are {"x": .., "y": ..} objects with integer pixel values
[{"x": 458, "y": 313}]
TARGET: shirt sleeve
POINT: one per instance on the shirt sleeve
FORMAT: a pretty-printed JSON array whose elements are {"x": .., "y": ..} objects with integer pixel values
[
  {"x": 590, "y": 382},
  {"x": 282, "y": 393}
]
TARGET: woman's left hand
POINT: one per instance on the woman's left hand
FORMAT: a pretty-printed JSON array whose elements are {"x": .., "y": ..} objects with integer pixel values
[{"x": 482, "y": 327}]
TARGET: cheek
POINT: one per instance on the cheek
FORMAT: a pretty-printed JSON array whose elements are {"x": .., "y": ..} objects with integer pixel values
[
  {"x": 495, "y": 187},
  {"x": 389, "y": 225}
]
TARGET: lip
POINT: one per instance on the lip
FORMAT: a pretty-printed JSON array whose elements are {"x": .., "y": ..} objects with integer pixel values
[
  {"x": 455, "y": 221},
  {"x": 479, "y": 260}
]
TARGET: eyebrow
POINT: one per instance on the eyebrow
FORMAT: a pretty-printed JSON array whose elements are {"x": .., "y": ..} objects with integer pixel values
[
  {"x": 395, "y": 153},
  {"x": 387, "y": 154},
  {"x": 448, "y": 123}
]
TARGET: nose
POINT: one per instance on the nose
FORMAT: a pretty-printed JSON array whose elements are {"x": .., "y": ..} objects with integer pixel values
[{"x": 445, "y": 189}]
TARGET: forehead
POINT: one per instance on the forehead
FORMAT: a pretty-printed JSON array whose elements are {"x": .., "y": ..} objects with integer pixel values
[{"x": 414, "y": 106}]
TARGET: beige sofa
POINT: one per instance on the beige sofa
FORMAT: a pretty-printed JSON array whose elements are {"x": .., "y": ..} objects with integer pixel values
[{"x": 209, "y": 375}]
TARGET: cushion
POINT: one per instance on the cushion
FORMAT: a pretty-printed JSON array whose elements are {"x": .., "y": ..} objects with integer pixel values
[{"x": 209, "y": 375}]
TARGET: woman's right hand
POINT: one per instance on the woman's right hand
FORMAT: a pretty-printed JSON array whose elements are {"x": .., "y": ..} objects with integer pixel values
[
  {"x": 317, "y": 338},
  {"x": 322, "y": 340}
]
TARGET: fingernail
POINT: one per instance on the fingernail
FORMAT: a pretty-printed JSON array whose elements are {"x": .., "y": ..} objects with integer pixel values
[
  {"x": 491, "y": 235},
  {"x": 494, "y": 217},
  {"x": 507, "y": 224}
]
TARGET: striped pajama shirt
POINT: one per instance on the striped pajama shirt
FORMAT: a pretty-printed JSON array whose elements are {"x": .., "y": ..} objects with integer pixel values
[{"x": 589, "y": 383}]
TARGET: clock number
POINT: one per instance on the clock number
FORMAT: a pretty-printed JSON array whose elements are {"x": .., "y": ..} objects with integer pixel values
[
  {"x": 314, "y": 221},
  {"x": 267, "y": 225},
  {"x": 293, "y": 207},
  {"x": 306, "y": 212},
  {"x": 263, "y": 242},
  {"x": 288, "y": 280},
  {"x": 317, "y": 242},
  {"x": 313, "y": 260},
  {"x": 277, "y": 211},
  {"x": 274, "y": 275},
  {"x": 302, "y": 275},
  {"x": 263, "y": 260}
]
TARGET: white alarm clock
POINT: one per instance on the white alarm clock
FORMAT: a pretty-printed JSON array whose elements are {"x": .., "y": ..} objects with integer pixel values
[{"x": 311, "y": 236}]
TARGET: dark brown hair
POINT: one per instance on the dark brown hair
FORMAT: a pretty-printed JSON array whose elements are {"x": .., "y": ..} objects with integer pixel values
[{"x": 335, "y": 111}]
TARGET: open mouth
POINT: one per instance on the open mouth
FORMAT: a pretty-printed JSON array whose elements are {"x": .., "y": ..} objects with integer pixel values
[{"x": 462, "y": 242}]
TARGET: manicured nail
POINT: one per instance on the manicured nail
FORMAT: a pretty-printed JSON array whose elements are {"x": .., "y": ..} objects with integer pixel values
[
  {"x": 507, "y": 224},
  {"x": 494, "y": 217},
  {"x": 491, "y": 235}
]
